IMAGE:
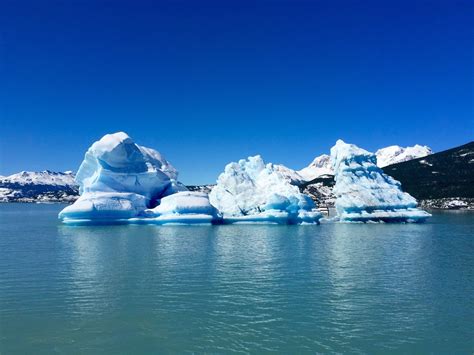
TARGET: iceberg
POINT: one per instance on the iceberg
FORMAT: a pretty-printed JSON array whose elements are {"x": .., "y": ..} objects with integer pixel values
[
  {"x": 251, "y": 191},
  {"x": 364, "y": 193},
  {"x": 122, "y": 182},
  {"x": 119, "y": 179},
  {"x": 185, "y": 207}
]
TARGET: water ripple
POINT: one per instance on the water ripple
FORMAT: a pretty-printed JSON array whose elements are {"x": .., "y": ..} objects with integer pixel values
[{"x": 235, "y": 289}]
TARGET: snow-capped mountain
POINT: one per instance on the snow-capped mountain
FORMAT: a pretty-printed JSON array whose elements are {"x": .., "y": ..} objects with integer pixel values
[
  {"x": 45, "y": 177},
  {"x": 290, "y": 175},
  {"x": 319, "y": 166},
  {"x": 395, "y": 154},
  {"x": 446, "y": 174},
  {"x": 41, "y": 186}
]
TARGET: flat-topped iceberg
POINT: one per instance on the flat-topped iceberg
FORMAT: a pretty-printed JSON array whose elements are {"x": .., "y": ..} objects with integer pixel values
[
  {"x": 184, "y": 207},
  {"x": 119, "y": 179},
  {"x": 251, "y": 191},
  {"x": 364, "y": 193}
]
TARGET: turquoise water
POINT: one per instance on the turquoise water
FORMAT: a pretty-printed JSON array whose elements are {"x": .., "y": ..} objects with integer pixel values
[{"x": 219, "y": 289}]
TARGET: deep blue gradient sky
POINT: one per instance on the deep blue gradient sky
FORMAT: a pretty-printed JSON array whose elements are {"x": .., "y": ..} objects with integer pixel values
[{"x": 207, "y": 83}]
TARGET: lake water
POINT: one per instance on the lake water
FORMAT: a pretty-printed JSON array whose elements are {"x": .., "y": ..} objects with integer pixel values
[{"x": 218, "y": 289}]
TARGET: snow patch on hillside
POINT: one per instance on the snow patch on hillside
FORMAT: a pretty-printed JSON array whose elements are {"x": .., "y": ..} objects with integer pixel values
[
  {"x": 319, "y": 166},
  {"x": 45, "y": 177},
  {"x": 395, "y": 154}
]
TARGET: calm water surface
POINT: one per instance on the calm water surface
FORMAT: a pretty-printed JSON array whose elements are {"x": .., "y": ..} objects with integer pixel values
[{"x": 220, "y": 289}]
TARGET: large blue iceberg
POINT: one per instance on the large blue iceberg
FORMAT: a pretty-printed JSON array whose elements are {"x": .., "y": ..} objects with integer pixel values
[
  {"x": 364, "y": 193},
  {"x": 121, "y": 181},
  {"x": 251, "y": 191}
]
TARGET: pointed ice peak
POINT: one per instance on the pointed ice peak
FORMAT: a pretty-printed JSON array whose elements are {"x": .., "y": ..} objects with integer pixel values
[{"x": 343, "y": 152}]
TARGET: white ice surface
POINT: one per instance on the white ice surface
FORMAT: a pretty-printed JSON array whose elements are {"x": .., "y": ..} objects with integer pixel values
[
  {"x": 103, "y": 206},
  {"x": 252, "y": 191},
  {"x": 184, "y": 207}
]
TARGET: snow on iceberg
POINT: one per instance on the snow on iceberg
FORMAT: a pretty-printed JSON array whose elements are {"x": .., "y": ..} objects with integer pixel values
[
  {"x": 184, "y": 207},
  {"x": 364, "y": 193},
  {"x": 119, "y": 179},
  {"x": 251, "y": 191}
]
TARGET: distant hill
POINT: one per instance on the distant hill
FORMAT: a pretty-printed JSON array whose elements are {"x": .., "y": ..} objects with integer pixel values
[{"x": 441, "y": 175}]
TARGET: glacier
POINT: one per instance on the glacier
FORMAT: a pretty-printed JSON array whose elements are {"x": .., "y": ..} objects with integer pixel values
[
  {"x": 364, "y": 193},
  {"x": 250, "y": 191}
]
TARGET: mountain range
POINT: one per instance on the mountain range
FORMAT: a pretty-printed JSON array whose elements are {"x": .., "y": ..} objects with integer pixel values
[
  {"x": 445, "y": 174},
  {"x": 42, "y": 186}
]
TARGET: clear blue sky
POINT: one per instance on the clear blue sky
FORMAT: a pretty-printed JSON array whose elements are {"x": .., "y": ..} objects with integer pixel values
[{"x": 206, "y": 82}]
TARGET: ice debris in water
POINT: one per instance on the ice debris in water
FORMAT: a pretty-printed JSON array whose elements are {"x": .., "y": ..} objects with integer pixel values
[
  {"x": 251, "y": 191},
  {"x": 364, "y": 193}
]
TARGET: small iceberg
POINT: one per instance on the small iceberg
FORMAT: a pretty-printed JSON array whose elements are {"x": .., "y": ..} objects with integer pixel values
[
  {"x": 364, "y": 193},
  {"x": 251, "y": 191},
  {"x": 184, "y": 207}
]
